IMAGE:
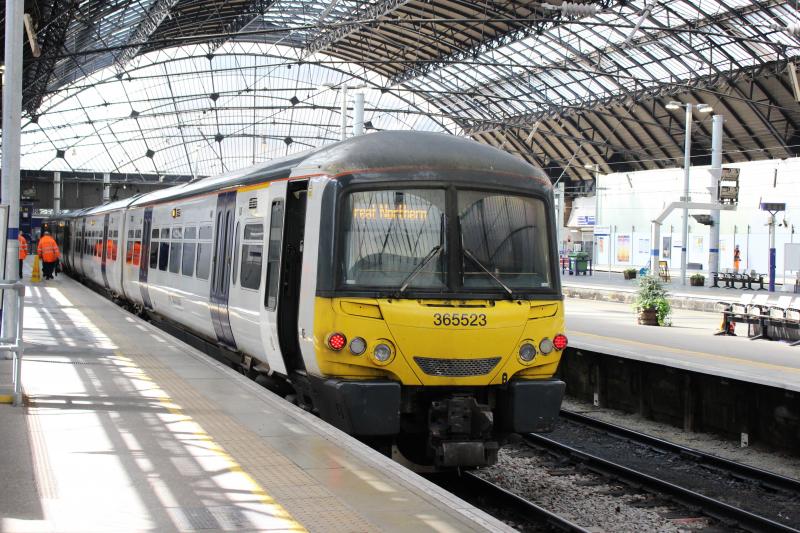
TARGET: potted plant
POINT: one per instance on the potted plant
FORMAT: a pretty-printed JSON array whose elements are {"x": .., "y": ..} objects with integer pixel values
[
  {"x": 697, "y": 280},
  {"x": 651, "y": 302},
  {"x": 629, "y": 273}
]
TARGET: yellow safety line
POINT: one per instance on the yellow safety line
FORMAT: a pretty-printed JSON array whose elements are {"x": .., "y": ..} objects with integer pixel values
[
  {"x": 232, "y": 466},
  {"x": 690, "y": 352},
  {"x": 6, "y": 398}
]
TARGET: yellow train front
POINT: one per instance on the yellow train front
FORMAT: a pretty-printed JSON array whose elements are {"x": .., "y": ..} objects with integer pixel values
[{"x": 438, "y": 315}]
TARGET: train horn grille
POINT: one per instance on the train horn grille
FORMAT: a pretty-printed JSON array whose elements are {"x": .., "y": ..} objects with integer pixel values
[{"x": 456, "y": 368}]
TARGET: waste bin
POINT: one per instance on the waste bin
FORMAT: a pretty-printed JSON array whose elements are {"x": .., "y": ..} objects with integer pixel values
[{"x": 579, "y": 262}]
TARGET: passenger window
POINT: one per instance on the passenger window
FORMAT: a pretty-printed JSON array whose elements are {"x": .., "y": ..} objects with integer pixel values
[
  {"x": 177, "y": 233},
  {"x": 165, "y": 233},
  {"x": 154, "y": 233},
  {"x": 175, "y": 257},
  {"x": 137, "y": 234},
  {"x": 187, "y": 268},
  {"x": 203, "y": 259},
  {"x": 137, "y": 252},
  {"x": 163, "y": 256},
  {"x": 274, "y": 255},
  {"x": 154, "y": 254},
  {"x": 190, "y": 233},
  {"x": 205, "y": 233},
  {"x": 129, "y": 253},
  {"x": 252, "y": 255}
]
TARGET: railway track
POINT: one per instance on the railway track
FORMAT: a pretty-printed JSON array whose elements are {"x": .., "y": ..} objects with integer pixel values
[
  {"x": 727, "y": 514},
  {"x": 502, "y": 503}
]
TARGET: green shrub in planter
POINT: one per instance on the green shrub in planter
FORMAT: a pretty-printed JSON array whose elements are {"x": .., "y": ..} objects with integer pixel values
[
  {"x": 629, "y": 273},
  {"x": 652, "y": 296},
  {"x": 697, "y": 280}
]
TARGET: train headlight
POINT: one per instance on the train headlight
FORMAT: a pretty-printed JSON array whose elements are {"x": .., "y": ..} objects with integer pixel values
[
  {"x": 560, "y": 341},
  {"x": 527, "y": 352},
  {"x": 546, "y": 346},
  {"x": 358, "y": 346},
  {"x": 336, "y": 341},
  {"x": 382, "y": 353}
]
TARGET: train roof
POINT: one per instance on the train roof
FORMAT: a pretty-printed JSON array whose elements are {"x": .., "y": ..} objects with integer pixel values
[{"x": 387, "y": 150}]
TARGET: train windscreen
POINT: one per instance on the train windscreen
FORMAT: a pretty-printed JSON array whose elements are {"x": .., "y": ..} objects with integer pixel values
[{"x": 398, "y": 239}]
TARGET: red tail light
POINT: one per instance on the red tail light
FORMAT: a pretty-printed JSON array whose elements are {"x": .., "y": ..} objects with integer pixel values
[
  {"x": 337, "y": 341},
  {"x": 560, "y": 342}
]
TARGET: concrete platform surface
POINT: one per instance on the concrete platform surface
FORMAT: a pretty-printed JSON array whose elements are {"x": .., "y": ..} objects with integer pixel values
[
  {"x": 615, "y": 288},
  {"x": 129, "y": 429},
  {"x": 611, "y": 328}
]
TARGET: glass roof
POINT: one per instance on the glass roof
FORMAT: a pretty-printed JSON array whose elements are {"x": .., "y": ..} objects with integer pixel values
[
  {"x": 176, "y": 111},
  {"x": 472, "y": 68}
]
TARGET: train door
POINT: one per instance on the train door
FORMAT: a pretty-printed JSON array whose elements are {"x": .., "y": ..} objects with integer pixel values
[
  {"x": 144, "y": 261},
  {"x": 221, "y": 267},
  {"x": 283, "y": 272},
  {"x": 104, "y": 250}
]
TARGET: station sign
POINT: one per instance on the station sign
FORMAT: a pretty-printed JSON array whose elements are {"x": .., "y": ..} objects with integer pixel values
[{"x": 602, "y": 231}]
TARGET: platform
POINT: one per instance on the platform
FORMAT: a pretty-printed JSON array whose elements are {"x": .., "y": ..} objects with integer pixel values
[
  {"x": 129, "y": 429},
  {"x": 614, "y": 288},
  {"x": 610, "y": 328}
]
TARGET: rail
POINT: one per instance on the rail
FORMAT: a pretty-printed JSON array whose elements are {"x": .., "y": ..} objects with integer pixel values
[
  {"x": 13, "y": 343},
  {"x": 764, "y": 477},
  {"x": 727, "y": 514},
  {"x": 493, "y": 498}
]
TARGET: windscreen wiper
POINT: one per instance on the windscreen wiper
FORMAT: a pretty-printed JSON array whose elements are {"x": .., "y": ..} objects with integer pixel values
[
  {"x": 491, "y": 275},
  {"x": 413, "y": 274}
]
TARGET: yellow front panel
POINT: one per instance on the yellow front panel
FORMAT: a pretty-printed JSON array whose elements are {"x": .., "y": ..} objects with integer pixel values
[{"x": 465, "y": 330}]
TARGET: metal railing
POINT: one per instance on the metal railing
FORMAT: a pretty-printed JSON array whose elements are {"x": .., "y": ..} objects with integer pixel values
[{"x": 14, "y": 343}]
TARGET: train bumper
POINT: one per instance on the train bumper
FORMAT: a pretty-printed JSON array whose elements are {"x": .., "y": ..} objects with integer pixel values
[
  {"x": 363, "y": 408},
  {"x": 526, "y": 406}
]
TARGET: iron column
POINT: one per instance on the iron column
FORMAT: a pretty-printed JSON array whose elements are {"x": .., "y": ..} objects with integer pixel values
[
  {"x": 687, "y": 155},
  {"x": 716, "y": 172}
]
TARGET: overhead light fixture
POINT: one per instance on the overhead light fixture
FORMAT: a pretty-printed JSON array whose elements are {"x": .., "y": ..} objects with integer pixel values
[
  {"x": 704, "y": 108},
  {"x": 673, "y": 105}
]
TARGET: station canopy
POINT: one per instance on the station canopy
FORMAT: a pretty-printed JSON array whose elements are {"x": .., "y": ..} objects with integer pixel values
[{"x": 200, "y": 86}]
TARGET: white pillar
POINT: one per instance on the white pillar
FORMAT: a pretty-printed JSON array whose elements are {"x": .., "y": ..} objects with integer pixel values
[
  {"x": 12, "y": 125},
  {"x": 106, "y": 187},
  {"x": 655, "y": 248},
  {"x": 559, "y": 194},
  {"x": 716, "y": 172},
  {"x": 56, "y": 193},
  {"x": 344, "y": 112},
  {"x": 358, "y": 114},
  {"x": 687, "y": 156}
]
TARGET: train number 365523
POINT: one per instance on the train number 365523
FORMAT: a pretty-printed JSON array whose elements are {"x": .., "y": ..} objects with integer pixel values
[{"x": 459, "y": 319}]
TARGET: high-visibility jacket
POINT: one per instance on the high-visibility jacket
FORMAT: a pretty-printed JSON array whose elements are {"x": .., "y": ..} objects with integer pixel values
[
  {"x": 23, "y": 247},
  {"x": 48, "y": 249}
]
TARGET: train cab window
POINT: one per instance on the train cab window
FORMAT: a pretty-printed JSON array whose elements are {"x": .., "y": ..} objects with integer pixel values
[
  {"x": 394, "y": 238},
  {"x": 189, "y": 250},
  {"x": 274, "y": 255},
  {"x": 252, "y": 251},
  {"x": 203, "y": 266},
  {"x": 163, "y": 255},
  {"x": 506, "y": 235}
]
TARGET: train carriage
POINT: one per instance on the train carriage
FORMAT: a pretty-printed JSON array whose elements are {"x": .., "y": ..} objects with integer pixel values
[{"x": 402, "y": 285}]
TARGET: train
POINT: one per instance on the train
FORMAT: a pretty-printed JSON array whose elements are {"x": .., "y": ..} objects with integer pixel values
[{"x": 401, "y": 285}]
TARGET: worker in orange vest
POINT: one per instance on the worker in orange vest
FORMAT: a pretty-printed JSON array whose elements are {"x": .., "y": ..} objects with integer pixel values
[
  {"x": 23, "y": 252},
  {"x": 49, "y": 253}
]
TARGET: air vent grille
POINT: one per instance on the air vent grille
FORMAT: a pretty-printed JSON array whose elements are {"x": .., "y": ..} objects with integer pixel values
[{"x": 456, "y": 367}]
